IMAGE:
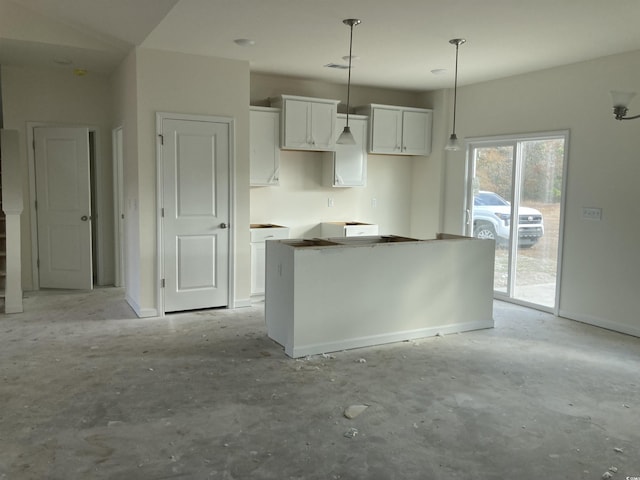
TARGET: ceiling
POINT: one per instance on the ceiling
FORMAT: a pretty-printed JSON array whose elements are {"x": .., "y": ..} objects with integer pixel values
[{"x": 399, "y": 43}]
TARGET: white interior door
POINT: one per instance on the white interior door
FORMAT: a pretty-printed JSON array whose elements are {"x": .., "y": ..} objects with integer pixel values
[
  {"x": 195, "y": 171},
  {"x": 63, "y": 207}
]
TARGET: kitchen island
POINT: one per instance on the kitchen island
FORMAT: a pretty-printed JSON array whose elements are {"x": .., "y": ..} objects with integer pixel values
[{"x": 331, "y": 294}]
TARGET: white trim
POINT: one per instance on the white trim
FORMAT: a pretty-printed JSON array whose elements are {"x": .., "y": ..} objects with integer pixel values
[
  {"x": 231, "y": 264},
  {"x": 601, "y": 323},
  {"x": 242, "y": 303},
  {"x": 118, "y": 206},
  {"x": 515, "y": 140},
  {"x": 358, "y": 342},
  {"x": 141, "y": 312}
]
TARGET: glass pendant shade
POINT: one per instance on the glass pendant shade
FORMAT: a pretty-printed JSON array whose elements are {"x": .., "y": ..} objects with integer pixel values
[
  {"x": 622, "y": 99},
  {"x": 453, "y": 145},
  {"x": 346, "y": 137}
]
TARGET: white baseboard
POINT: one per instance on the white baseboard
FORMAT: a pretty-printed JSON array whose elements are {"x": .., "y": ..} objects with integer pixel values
[
  {"x": 13, "y": 307},
  {"x": 391, "y": 337},
  {"x": 602, "y": 323},
  {"x": 241, "y": 303},
  {"x": 141, "y": 312}
]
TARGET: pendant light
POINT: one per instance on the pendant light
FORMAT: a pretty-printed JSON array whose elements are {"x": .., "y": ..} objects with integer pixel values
[
  {"x": 346, "y": 137},
  {"x": 454, "y": 144}
]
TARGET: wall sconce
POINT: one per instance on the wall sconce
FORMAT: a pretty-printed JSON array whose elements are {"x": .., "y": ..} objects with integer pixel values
[{"x": 621, "y": 101}]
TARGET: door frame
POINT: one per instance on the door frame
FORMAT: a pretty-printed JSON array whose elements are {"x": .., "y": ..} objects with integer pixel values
[
  {"x": 117, "y": 138},
  {"x": 160, "y": 117},
  {"x": 99, "y": 196},
  {"x": 474, "y": 142}
]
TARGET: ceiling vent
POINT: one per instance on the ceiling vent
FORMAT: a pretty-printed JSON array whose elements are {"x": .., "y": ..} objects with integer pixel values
[{"x": 337, "y": 65}]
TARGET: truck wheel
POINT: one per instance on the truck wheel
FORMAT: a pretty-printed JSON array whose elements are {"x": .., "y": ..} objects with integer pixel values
[{"x": 484, "y": 231}]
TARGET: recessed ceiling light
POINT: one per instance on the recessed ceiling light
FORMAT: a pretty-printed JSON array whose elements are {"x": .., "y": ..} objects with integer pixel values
[
  {"x": 245, "y": 42},
  {"x": 62, "y": 61},
  {"x": 79, "y": 72},
  {"x": 439, "y": 71}
]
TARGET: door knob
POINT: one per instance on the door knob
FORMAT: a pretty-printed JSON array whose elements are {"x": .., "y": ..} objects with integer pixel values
[
  {"x": 223, "y": 225},
  {"x": 84, "y": 218}
]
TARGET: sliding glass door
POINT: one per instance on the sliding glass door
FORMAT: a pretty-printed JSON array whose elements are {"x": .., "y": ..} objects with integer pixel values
[{"x": 515, "y": 197}]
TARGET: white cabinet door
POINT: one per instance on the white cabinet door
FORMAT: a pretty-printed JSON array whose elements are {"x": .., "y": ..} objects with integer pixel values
[
  {"x": 386, "y": 130},
  {"x": 397, "y": 130},
  {"x": 416, "y": 132},
  {"x": 347, "y": 166},
  {"x": 296, "y": 131},
  {"x": 264, "y": 146},
  {"x": 307, "y": 123},
  {"x": 322, "y": 126}
]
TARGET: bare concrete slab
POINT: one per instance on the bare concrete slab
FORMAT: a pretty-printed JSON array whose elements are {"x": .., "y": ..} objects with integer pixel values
[{"x": 90, "y": 391}]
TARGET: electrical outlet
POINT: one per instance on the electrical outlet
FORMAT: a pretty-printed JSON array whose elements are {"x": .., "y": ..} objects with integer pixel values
[
  {"x": 374, "y": 202},
  {"x": 330, "y": 202},
  {"x": 591, "y": 213}
]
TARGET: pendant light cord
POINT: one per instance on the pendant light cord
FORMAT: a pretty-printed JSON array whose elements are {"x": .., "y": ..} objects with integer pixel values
[
  {"x": 349, "y": 78},
  {"x": 455, "y": 90}
]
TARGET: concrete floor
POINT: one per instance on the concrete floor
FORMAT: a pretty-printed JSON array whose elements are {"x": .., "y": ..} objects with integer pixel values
[{"x": 91, "y": 392}]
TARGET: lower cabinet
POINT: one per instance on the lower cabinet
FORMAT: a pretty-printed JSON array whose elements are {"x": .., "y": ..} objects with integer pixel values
[{"x": 260, "y": 234}]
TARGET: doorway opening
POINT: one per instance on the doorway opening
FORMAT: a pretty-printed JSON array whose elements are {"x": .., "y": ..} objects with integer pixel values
[{"x": 515, "y": 196}]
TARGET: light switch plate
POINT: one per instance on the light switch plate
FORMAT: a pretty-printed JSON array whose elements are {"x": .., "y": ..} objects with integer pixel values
[{"x": 591, "y": 213}]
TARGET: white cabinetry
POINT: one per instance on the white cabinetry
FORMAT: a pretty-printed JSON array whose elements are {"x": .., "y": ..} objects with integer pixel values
[
  {"x": 347, "y": 166},
  {"x": 398, "y": 130},
  {"x": 264, "y": 153},
  {"x": 347, "y": 229},
  {"x": 260, "y": 233},
  {"x": 307, "y": 123}
]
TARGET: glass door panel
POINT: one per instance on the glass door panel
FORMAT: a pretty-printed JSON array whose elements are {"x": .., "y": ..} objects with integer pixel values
[
  {"x": 516, "y": 196},
  {"x": 539, "y": 200},
  {"x": 491, "y": 210}
]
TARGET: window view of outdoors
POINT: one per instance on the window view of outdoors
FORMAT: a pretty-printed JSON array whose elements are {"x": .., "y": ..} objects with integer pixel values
[{"x": 530, "y": 274}]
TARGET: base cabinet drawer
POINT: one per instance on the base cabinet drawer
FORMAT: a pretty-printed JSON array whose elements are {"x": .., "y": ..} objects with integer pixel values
[{"x": 348, "y": 229}]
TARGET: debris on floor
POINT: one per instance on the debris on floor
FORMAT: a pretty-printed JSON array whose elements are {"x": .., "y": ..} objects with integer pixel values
[
  {"x": 352, "y": 432},
  {"x": 362, "y": 360},
  {"x": 352, "y": 411},
  {"x": 607, "y": 475},
  {"x": 618, "y": 450}
]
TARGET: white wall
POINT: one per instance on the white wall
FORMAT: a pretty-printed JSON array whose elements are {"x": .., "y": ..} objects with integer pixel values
[
  {"x": 190, "y": 84},
  {"x": 57, "y": 96},
  {"x": 300, "y": 202},
  {"x": 125, "y": 115},
  {"x": 600, "y": 281}
]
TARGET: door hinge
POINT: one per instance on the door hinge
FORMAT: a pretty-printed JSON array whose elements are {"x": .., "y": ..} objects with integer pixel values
[
  {"x": 162, "y": 212},
  {"x": 162, "y": 283},
  {"x": 33, "y": 144},
  {"x": 38, "y": 263},
  {"x": 35, "y": 204},
  {"x": 161, "y": 139}
]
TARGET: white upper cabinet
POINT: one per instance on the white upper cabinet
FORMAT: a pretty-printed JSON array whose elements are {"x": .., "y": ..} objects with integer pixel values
[
  {"x": 264, "y": 156},
  {"x": 398, "y": 130},
  {"x": 347, "y": 166},
  {"x": 307, "y": 123}
]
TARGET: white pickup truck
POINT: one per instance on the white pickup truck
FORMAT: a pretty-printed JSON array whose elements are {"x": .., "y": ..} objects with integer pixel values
[{"x": 492, "y": 219}]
